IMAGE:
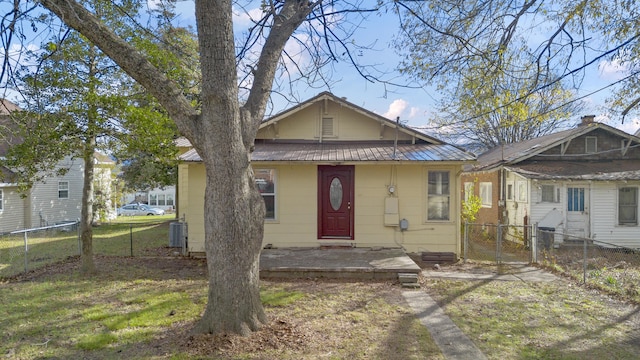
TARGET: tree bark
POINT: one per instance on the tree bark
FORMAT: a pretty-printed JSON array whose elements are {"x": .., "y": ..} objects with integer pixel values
[
  {"x": 223, "y": 134},
  {"x": 87, "y": 266}
]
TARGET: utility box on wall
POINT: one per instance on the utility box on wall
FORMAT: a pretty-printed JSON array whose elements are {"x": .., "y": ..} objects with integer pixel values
[{"x": 391, "y": 213}]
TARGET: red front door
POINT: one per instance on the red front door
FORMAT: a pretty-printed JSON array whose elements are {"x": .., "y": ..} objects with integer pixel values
[{"x": 335, "y": 199}]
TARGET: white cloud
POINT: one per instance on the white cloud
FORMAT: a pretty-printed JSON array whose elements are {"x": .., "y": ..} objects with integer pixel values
[
  {"x": 396, "y": 108},
  {"x": 630, "y": 125},
  {"x": 612, "y": 70},
  {"x": 243, "y": 18}
]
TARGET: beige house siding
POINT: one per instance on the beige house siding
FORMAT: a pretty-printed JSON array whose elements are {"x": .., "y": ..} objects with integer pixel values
[
  {"x": 347, "y": 125},
  {"x": 297, "y": 209}
]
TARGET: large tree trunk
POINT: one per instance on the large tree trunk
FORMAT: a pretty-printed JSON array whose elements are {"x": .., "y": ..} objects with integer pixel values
[
  {"x": 223, "y": 134},
  {"x": 234, "y": 210}
]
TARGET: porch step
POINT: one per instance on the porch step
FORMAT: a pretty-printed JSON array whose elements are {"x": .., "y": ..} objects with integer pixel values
[
  {"x": 433, "y": 257},
  {"x": 408, "y": 280}
]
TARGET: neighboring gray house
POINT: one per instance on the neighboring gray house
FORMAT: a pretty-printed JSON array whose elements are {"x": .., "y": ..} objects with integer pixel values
[
  {"x": 56, "y": 199},
  {"x": 583, "y": 182}
]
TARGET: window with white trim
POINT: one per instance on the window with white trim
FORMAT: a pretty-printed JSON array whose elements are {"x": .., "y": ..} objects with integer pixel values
[
  {"x": 63, "y": 189},
  {"x": 485, "y": 194},
  {"x": 549, "y": 193},
  {"x": 153, "y": 199},
  {"x": 468, "y": 190},
  {"x": 266, "y": 183},
  {"x": 438, "y": 195},
  {"x": 590, "y": 144},
  {"x": 522, "y": 191},
  {"x": 628, "y": 206}
]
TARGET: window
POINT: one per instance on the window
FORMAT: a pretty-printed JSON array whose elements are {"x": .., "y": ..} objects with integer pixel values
[
  {"x": 485, "y": 194},
  {"x": 63, "y": 190},
  {"x": 468, "y": 190},
  {"x": 153, "y": 199},
  {"x": 1, "y": 200},
  {"x": 509, "y": 191},
  {"x": 549, "y": 193},
  {"x": 265, "y": 181},
  {"x": 575, "y": 199},
  {"x": 438, "y": 195},
  {"x": 327, "y": 126},
  {"x": 522, "y": 191},
  {"x": 591, "y": 144},
  {"x": 628, "y": 206},
  {"x": 169, "y": 200}
]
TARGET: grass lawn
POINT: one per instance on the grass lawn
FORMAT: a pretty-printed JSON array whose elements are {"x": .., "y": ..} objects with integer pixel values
[
  {"x": 125, "y": 236},
  {"x": 144, "y": 308}
]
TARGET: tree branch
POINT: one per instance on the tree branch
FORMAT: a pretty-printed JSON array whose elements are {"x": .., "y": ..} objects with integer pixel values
[{"x": 129, "y": 59}]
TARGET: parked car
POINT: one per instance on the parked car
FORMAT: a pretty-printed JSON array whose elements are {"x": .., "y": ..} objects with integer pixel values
[{"x": 139, "y": 209}]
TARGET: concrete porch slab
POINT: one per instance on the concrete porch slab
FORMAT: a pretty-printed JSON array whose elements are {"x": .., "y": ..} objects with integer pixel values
[{"x": 343, "y": 263}]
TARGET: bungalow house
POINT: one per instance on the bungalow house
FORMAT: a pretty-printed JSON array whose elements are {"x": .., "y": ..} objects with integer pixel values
[
  {"x": 582, "y": 182},
  {"x": 334, "y": 174}
]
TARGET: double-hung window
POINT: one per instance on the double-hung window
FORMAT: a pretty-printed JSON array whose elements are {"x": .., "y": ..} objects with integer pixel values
[
  {"x": 549, "y": 193},
  {"x": 486, "y": 194},
  {"x": 628, "y": 206},
  {"x": 63, "y": 189},
  {"x": 438, "y": 195},
  {"x": 266, "y": 183}
]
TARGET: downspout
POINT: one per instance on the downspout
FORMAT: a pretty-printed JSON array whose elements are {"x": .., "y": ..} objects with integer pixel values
[{"x": 395, "y": 141}]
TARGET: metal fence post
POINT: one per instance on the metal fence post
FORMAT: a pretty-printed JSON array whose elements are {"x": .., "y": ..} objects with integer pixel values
[
  {"x": 499, "y": 244},
  {"x": 534, "y": 243},
  {"x": 466, "y": 240},
  {"x": 131, "y": 238},
  {"x": 584, "y": 261},
  {"x": 26, "y": 253}
]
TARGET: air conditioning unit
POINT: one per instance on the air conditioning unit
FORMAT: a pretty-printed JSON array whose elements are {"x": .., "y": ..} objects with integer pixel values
[{"x": 176, "y": 234}]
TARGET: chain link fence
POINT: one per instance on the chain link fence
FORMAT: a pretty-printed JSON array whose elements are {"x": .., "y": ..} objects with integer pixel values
[
  {"x": 496, "y": 243},
  {"x": 606, "y": 266},
  {"x": 25, "y": 250}
]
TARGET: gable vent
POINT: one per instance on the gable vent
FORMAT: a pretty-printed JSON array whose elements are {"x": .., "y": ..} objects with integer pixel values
[{"x": 327, "y": 126}]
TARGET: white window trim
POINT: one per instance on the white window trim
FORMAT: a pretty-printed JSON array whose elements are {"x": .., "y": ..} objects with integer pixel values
[
  {"x": 522, "y": 191},
  {"x": 556, "y": 194},
  {"x": 486, "y": 194},
  {"x": 274, "y": 194},
  {"x": 637, "y": 222},
  {"x": 586, "y": 144},
  {"x": 510, "y": 194},
  {"x": 449, "y": 195},
  {"x": 468, "y": 190},
  {"x": 63, "y": 189}
]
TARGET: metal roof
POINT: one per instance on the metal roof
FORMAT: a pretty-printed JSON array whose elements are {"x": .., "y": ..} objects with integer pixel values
[
  {"x": 609, "y": 170},
  {"x": 350, "y": 152}
]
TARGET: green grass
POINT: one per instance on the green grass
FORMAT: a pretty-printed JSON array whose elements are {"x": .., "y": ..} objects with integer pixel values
[
  {"x": 133, "y": 235},
  {"x": 557, "y": 320}
]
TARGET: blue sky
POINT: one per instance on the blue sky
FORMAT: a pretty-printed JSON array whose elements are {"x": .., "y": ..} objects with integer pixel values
[{"x": 414, "y": 106}]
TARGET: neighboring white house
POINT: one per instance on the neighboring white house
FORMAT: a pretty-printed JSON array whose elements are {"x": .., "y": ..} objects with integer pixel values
[
  {"x": 163, "y": 198},
  {"x": 583, "y": 183},
  {"x": 56, "y": 199}
]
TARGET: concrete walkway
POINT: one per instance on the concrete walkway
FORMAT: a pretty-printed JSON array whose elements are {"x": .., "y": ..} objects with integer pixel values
[{"x": 453, "y": 343}]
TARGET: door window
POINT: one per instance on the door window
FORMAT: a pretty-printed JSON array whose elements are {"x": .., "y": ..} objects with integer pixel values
[{"x": 575, "y": 199}]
